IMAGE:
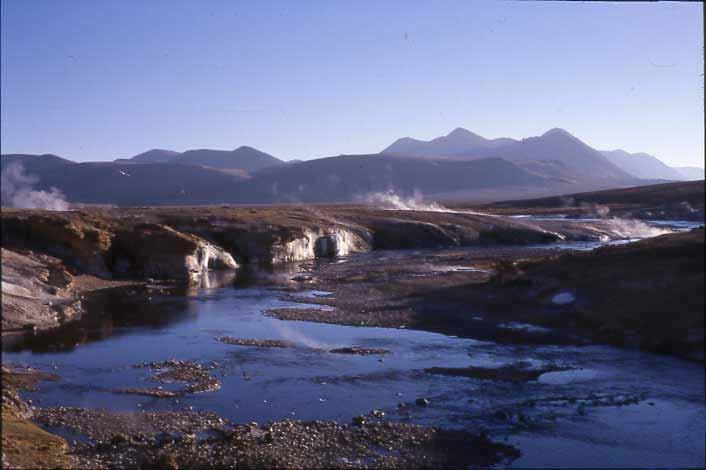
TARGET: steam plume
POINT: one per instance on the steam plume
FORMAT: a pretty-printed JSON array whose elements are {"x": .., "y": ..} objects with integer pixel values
[
  {"x": 391, "y": 200},
  {"x": 17, "y": 191},
  {"x": 629, "y": 228}
]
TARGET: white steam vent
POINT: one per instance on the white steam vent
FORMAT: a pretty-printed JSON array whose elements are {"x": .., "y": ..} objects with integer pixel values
[{"x": 18, "y": 192}]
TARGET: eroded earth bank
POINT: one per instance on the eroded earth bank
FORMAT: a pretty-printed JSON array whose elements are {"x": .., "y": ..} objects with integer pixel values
[{"x": 344, "y": 336}]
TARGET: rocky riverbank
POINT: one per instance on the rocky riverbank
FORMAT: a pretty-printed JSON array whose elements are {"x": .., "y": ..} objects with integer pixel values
[
  {"x": 52, "y": 260},
  {"x": 189, "y": 439},
  {"x": 639, "y": 295}
]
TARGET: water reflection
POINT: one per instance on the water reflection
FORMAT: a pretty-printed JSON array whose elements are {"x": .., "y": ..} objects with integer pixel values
[
  {"x": 108, "y": 312},
  {"x": 119, "y": 311}
]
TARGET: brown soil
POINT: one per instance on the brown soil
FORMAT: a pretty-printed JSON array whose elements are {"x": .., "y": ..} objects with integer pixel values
[
  {"x": 24, "y": 445},
  {"x": 675, "y": 201}
]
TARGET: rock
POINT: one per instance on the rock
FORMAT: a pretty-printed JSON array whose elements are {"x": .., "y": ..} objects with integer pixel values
[
  {"x": 359, "y": 351},
  {"x": 29, "y": 299},
  {"x": 359, "y": 420},
  {"x": 158, "y": 251},
  {"x": 263, "y": 343},
  {"x": 321, "y": 242}
]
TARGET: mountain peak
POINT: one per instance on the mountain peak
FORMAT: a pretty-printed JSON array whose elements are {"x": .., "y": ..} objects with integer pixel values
[
  {"x": 557, "y": 131},
  {"x": 459, "y": 131},
  {"x": 243, "y": 148}
]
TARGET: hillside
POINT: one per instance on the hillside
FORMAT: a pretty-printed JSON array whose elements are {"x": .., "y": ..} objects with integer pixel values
[
  {"x": 335, "y": 179},
  {"x": 691, "y": 192},
  {"x": 124, "y": 183},
  {"x": 350, "y": 177},
  {"x": 678, "y": 201},
  {"x": 559, "y": 145},
  {"x": 243, "y": 158}
]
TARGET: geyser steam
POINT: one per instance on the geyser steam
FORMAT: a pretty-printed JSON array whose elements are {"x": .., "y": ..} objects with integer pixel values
[
  {"x": 629, "y": 228},
  {"x": 18, "y": 192},
  {"x": 391, "y": 200}
]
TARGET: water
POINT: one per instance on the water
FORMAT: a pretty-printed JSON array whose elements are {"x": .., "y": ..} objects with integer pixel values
[{"x": 308, "y": 382}]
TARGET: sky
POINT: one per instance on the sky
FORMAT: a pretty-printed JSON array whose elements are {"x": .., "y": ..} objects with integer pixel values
[{"x": 97, "y": 79}]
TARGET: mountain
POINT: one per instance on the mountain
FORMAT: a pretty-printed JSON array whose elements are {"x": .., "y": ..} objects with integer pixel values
[
  {"x": 560, "y": 152},
  {"x": 459, "y": 141},
  {"x": 642, "y": 165},
  {"x": 344, "y": 178},
  {"x": 242, "y": 158},
  {"x": 351, "y": 177},
  {"x": 690, "y": 173},
  {"x": 472, "y": 168},
  {"x": 560, "y": 146},
  {"x": 125, "y": 184}
]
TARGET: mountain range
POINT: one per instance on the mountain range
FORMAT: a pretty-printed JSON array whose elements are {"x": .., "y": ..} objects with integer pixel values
[
  {"x": 460, "y": 165},
  {"x": 243, "y": 158},
  {"x": 555, "y": 145}
]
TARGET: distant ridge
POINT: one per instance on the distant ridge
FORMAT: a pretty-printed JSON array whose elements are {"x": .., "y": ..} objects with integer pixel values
[
  {"x": 461, "y": 165},
  {"x": 458, "y": 141},
  {"x": 243, "y": 158}
]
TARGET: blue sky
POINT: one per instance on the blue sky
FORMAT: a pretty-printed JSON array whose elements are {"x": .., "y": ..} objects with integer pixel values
[{"x": 99, "y": 79}]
